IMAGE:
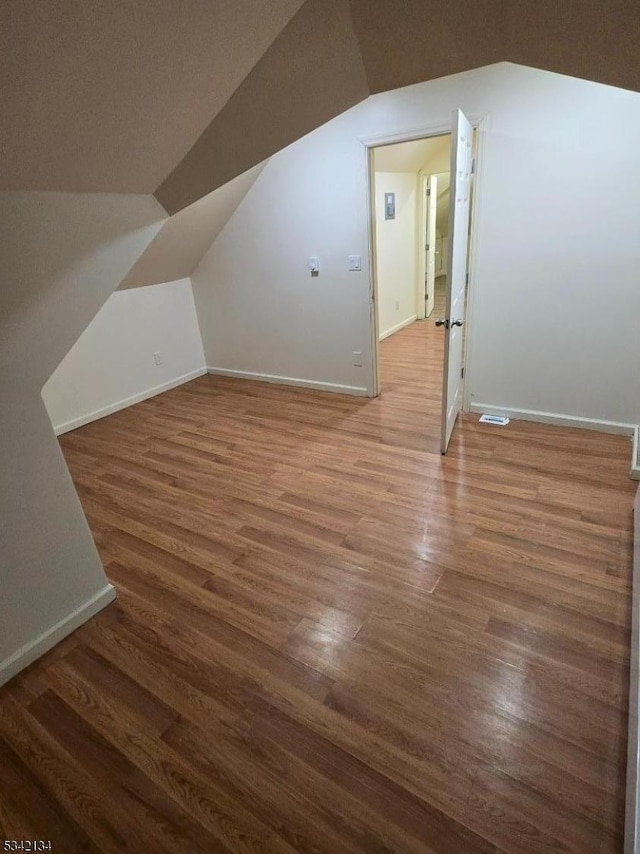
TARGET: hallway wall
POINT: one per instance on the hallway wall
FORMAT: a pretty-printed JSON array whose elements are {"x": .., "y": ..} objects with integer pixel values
[{"x": 396, "y": 251}]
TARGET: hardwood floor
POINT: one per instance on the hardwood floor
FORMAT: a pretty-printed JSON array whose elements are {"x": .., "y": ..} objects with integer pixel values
[{"x": 330, "y": 639}]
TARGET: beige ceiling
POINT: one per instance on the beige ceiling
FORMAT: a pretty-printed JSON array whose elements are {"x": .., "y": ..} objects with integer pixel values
[
  {"x": 410, "y": 156},
  {"x": 109, "y": 95},
  {"x": 177, "y": 97}
]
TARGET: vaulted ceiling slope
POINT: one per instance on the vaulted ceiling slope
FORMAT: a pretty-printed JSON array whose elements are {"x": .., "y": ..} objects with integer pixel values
[
  {"x": 334, "y": 53},
  {"x": 184, "y": 238},
  {"x": 312, "y": 72},
  {"x": 109, "y": 95},
  {"x": 177, "y": 97},
  {"x": 407, "y": 41}
]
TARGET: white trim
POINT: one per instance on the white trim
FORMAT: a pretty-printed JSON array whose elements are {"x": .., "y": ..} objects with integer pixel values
[
  {"x": 483, "y": 130},
  {"x": 43, "y": 643},
  {"x": 398, "y": 326},
  {"x": 555, "y": 418},
  {"x": 420, "y": 252},
  {"x": 635, "y": 456},
  {"x": 409, "y": 135},
  {"x": 373, "y": 389},
  {"x": 358, "y": 391},
  {"x": 127, "y": 401}
]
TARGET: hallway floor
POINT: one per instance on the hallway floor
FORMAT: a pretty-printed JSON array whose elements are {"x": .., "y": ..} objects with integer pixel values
[{"x": 328, "y": 638}]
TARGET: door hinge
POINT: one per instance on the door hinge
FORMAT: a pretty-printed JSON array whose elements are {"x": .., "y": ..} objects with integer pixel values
[
  {"x": 473, "y": 166},
  {"x": 426, "y": 246},
  {"x": 429, "y": 191},
  {"x": 462, "y": 373},
  {"x": 466, "y": 281}
]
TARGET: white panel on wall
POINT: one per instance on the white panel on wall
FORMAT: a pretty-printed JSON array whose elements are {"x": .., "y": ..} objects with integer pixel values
[{"x": 114, "y": 362}]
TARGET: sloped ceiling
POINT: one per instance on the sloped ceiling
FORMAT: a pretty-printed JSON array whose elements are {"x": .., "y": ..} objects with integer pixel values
[
  {"x": 184, "y": 239},
  {"x": 312, "y": 72},
  {"x": 406, "y": 41},
  {"x": 177, "y": 97},
  {"x": 334, "y": 53},
  {"x": 109, "y": 95}
]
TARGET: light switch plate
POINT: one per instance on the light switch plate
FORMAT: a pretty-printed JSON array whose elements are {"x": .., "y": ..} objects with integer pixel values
[{"x": 355, "y": 263}]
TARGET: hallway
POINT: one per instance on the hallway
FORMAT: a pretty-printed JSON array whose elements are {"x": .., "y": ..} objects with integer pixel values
[{"x": 328, "y": 637}]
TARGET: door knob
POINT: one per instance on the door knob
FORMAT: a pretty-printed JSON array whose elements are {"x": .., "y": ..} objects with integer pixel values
[
  {"x": 444, "y": 323},
  {"x": 457, "y": 322}
]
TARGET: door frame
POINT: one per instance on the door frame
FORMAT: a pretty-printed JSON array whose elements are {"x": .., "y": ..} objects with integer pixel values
[
  {"x": 481, "y": 126},
  {"x": 421, "y": 261}
]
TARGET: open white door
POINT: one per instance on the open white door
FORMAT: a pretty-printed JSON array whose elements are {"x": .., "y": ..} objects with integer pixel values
[
  {"x": 431, "y": 205},
  {"x": 460, "y": 193}
]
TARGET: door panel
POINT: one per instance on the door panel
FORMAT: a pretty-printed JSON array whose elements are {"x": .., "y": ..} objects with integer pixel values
[{"x": 460, "y": 193}]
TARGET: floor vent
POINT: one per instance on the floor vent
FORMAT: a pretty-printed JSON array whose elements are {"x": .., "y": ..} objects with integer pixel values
[{"x": 494, "y": 419}]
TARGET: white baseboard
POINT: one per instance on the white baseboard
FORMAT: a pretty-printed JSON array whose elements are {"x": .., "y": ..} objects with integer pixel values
[
  {"x": 358, "y": 391},
  {"x": 127, "y": 401},
  {"x": 555, "y": 418},
  {"x": 618, "y": 427},
  {"x": 43, "y": 643},
  {"x": 398, "y": 327}
]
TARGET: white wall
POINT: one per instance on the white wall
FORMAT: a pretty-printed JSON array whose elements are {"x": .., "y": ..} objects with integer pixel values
[
  {"x": 61, "y": 255},
  {"x": 396, "y": 251},
  {"x": 112, "y": 363},
  {"x": 552, "y": 294},
  {"x": 260, "y": 311}
]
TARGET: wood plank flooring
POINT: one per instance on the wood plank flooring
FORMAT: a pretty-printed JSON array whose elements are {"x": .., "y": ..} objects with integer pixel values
[{"x": 330, "y": 639}]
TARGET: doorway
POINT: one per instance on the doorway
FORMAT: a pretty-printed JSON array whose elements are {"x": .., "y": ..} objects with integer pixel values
[
  {"x": 420, "y": 220},
  {"x": 410, "y": 185}
]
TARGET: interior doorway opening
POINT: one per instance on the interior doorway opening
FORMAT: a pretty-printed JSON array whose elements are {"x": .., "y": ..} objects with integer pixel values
[
  {"x": 411, "y": 206},
  {"x": 420, "y": 220}
]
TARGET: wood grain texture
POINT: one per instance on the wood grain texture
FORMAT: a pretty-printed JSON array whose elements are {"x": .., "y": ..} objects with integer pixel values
[{"x": 328, "y": 638}]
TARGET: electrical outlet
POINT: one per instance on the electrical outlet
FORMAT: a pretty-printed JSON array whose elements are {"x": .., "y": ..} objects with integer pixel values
[
  {"x": 158, "y": 358},
  {"x": 357, "y": 358}
]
